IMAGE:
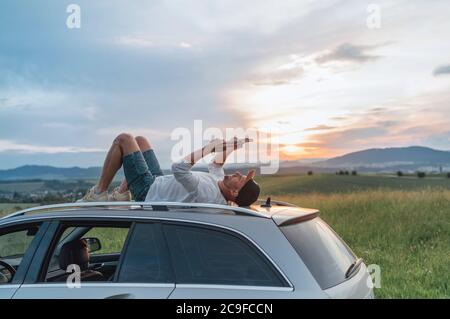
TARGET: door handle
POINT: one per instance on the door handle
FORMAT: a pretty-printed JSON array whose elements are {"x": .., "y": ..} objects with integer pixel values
[{"x": 122, "y": 296}]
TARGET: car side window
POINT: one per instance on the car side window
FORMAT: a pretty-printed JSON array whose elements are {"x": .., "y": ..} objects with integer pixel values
[
  {"x": 93, "y": 249},
  {"x": 14, "y": 244},
  {"x": 146, "y": 258},
  {"x": 208, "y": 256},
  {"x": 112, "y": 239}
]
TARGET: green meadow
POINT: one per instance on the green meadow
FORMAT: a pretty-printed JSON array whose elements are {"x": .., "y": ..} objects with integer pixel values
[
  {"x": 401, "y": 224},
  {"x": 330, "y": 183},
  {"x": 8, "y": 208}
]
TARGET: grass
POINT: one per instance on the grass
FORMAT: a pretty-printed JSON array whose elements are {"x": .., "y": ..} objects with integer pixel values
[
  {"x": 330, "y": 183},
  {"x": 405, "y": 232},
  {"x": 8, "y": 208},
  {"x": 112, "y": 239}
]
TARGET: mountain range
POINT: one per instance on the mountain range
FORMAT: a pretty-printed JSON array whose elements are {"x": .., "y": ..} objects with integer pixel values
[
  {"x": 413, "y": 157},
  {"x": 410, "y": 159}
]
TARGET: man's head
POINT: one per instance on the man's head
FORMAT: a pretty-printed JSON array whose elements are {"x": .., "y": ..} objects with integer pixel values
[{"x": 241, "y": 189}]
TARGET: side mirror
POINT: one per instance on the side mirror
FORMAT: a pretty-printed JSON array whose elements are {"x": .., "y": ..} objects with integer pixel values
[{"x": 93, "y": 244}]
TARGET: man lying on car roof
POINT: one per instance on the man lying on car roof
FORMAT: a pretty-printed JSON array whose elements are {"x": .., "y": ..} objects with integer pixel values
[{"x": 144, "y": 180}]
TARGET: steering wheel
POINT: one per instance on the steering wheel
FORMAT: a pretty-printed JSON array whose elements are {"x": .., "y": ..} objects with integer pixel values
[{"x": 8, "y": 267}]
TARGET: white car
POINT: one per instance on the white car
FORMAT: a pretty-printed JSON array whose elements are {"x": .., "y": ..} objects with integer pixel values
[{"x": 175, "y": 250}]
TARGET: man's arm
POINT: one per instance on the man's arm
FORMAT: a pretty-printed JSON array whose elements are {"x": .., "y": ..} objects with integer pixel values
[
  {"x": 182, "y": 170},
  {"x": 215, "y": 167}
]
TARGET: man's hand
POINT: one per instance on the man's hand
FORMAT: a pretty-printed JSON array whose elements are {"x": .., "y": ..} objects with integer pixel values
[
  {"x": 224, "y": 148},
  {"x": 219, "y": 146}
]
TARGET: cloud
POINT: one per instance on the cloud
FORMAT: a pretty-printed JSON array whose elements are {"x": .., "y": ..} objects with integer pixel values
[
  {"x": 10, "y": 146},
  {"x": 350, "y": 137},
  {"x": 146, "y": 42},
  {"x": 349, "y": 53},
  {"x": 152, "y": 134},
  {"x": 388, "y": 123},
  {"x": 185, "y": 45},
  {"x": 59, "y": 125},
  {"x": 320, "y": 128},
  {"x": 378, "y": 109},
  {"x": 299, "y": 65},
  {"x": 417, "y": 130},
  {"x": 152, "y": 67},
  {"x": 442, "y": 70},
  {"x": 339, "y": 118},
  {"x": 310, "y": 145},
  {"x": 439, "y": 141},
  {"x": 279, "y": 76}
]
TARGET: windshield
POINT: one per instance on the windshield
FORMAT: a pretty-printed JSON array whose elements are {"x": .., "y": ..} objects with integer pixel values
[{"x": 323, "y": 252}]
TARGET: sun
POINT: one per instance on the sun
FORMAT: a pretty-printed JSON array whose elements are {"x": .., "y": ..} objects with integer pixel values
[{"x": 291, "y": 149}]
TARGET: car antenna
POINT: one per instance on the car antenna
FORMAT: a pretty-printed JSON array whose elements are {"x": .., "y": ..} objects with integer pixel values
[{"x": 267, "y": 204}]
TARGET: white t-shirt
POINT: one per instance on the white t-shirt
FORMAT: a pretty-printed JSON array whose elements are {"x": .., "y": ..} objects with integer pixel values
[{"x": 188, "y": 186}]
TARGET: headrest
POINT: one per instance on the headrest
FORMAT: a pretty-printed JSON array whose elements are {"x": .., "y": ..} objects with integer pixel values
[{"x": 74, "y": 252}]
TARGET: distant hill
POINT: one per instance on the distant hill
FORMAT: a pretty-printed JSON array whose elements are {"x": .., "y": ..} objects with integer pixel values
[
  {"x": 413, "y": 157},
  {"x": 49, "y": 172},
  {"x": 372, "y": 160}
]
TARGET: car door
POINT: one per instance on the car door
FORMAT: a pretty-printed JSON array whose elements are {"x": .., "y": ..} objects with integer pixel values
[
  {"x": 103, "y": 257},
  {"x": 212, "y": 262},
  {"x": 18, "y": 243},
  {"x": 143, "y": 270}
]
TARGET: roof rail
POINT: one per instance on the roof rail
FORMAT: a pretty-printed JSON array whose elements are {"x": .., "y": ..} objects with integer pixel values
[{"x": 141, "y": 205}]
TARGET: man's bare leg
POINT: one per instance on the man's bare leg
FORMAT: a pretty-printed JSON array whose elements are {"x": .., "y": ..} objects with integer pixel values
[
  {"x": 144, "y": 145},
  {"x": 123, "y": 144}
]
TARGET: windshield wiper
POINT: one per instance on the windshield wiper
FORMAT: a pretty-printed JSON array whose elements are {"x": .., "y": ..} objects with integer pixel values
[{"x": 353, "y": 267}]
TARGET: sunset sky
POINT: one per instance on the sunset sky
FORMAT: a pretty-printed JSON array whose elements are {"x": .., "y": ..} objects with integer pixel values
[{"x": 310, "y": 71}]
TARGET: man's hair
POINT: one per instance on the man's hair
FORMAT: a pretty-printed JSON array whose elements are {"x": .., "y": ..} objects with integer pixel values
[{"x": 248, "y": 194}]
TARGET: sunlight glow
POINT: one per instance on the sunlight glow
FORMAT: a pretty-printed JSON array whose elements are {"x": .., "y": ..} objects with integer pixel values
[{"x": 290, "y": 149}]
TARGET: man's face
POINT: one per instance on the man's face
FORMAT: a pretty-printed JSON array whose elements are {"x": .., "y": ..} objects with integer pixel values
[{"x": 236, "y": 181}]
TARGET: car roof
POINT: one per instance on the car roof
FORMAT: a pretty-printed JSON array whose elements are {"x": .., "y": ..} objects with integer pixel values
[{"x": 281, "y": 212}]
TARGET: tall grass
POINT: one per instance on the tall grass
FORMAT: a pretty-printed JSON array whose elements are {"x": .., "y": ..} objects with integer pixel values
[
  {"x": 407, "y": 233},
  {"x": 8, "y": 208},
  {"x": 330, "y": 183}
]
